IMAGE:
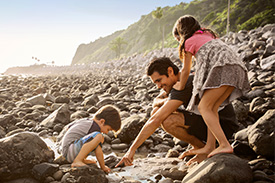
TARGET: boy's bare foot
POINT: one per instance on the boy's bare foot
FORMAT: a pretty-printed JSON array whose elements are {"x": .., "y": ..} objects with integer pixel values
[
  {"x": 89, "y": 161},
  {"x": 197, "y": 158},
  {"x": 219, "y": 150},
  {"x": 78, "y": 164}
]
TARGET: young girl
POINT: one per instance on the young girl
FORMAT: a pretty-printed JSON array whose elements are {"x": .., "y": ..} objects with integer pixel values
[{"x": 220, "y": 77}]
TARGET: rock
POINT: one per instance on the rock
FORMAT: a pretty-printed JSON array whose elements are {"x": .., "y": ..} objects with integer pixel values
[
  {"x": 111, "y": 161},
  {"x": 241, "y": 135},
  {"x": 166, "y": 180},
  {"x": 79, "y": 115},
  {"x": 225, "y": 168},
  {"x": 268, "y": 62},
  {"x": 88, "y": 174},
  {"x": 37, "y": 100},
  {"x": 240, "y": 109},
  {"x": 104, "y": 102},
  {"x": 172, "y": 153},
  {"x": 58, "y": 175},
  {"x": 174, "y": 174},
  {"x": 62, "y": 99},
  {"x": 49, "y": 97},
  {"x": 23, "y": 180},
  {"x": 20, "y": 152},
  {"x": 42, "y": 170},
  {"x": 243, "y": 150},
  {"x": 121, "y": 146},
  {"x": 2, "y": 132},
  {"x": 91, "y": 100},
  {"x": 261, "y": 135},
  {"x": 61, "y": 115},
  {"x": 130, "y": 129}
]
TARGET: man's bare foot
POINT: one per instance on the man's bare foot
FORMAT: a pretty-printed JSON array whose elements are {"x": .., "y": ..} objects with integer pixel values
[
  {"x": 198, "y": 158},
  {"x": 89, "y": 161},
  {"x": 203, "y": 151},
  {"x": 219, "y": 150},
  {"x": 78, "y": 164}
]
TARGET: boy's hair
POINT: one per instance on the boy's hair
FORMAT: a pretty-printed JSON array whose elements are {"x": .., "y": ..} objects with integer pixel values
[
  {"x": 111, "y": 116},
  {"x": 161, "y": 65}
]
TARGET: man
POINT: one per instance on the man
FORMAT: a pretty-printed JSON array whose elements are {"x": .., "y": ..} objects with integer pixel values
[{"x": 180, "y": 123}]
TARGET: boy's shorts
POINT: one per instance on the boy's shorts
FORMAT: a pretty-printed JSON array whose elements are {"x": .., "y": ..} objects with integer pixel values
[{"x": 76, "y": 146}]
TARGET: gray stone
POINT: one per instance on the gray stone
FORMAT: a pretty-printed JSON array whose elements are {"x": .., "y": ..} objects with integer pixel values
[
  {"x": 37, "y": 100},
  {"x": 130, "y": 128},
  {"x": 88, "y": 174},
  {"x": 225, "y": 168},
  {"x": 43, "y": 170},
  {"x": 120, "y": 146},
  {"x": 240, "y": 109},
  {"x": 261, "y": 135},
  {"x": 79, "y": 115},
  {"x": 268, "y": 62},
  {"x": 91, "y": 100},
  {"x": 61, "y": 115},
  {"x": 62, "y": 99},
  {"x": 174, "y": 173},
  {"x": 104, "y": 102},
  {"x": 20, "y": 152}
]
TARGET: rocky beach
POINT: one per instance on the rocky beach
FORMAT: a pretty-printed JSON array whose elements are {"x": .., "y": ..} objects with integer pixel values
[{"x": 37, "y": 102}]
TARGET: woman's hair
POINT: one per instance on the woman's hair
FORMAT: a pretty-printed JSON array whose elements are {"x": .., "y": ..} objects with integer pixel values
[{"x": 184, "y": 28}]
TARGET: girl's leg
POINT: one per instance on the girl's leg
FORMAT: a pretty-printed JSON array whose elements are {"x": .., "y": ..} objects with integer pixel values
[{"x": 208, "y": 107}]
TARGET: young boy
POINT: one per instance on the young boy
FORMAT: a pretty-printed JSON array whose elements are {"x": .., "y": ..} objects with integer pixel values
[{"x": 84, "y": 136}]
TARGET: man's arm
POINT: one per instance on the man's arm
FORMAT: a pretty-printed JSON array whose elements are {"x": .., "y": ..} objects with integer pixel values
[
  {"x": 160, "y": 99},
  {"x": 149, "y": 128}
]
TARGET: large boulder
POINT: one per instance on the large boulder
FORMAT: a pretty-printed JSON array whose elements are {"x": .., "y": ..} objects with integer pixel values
[
  {"x": 225, "y": 168},
  {"x": 261, "y": 134},
  {"x": 61, "y": 115},
  {"x": 131, "y": 127},
  {"x": 88, "y": 174},
  {"x": 20, "y": 152}
]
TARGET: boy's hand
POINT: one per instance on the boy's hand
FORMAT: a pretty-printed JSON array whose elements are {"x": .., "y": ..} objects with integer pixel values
[{"x": 106, "y": 169}]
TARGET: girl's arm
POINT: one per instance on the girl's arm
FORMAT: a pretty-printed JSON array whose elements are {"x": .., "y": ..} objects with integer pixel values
[{"x": 185, "y": 71}]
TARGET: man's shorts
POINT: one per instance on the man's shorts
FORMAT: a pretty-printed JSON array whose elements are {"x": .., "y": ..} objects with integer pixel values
[
  {"x": 198, "y": 128},
  {"x": 76, "y": 146}
]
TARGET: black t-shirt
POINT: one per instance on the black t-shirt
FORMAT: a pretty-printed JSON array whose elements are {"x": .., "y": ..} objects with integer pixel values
[{"x": 197, "y": 126}]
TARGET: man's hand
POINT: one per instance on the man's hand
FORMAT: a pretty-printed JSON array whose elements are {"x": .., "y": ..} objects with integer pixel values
[
  {"x": 160, "y": 99},
  {"x": 127, "y": 159}
]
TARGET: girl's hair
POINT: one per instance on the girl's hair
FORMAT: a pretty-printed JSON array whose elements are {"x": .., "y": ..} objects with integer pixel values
[{"x": 184, "y": 28}]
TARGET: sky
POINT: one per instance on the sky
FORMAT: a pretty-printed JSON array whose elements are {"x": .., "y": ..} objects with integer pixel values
[{"x": 51, "y": 30}]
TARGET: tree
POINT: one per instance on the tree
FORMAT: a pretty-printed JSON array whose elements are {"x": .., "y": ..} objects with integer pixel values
[
  {"x": 157, "y": 14},
  {"x": 116, "y": 45}
]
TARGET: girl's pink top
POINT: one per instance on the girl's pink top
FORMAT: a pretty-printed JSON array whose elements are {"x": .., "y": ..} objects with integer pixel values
[{"x": 198, "y": 39}]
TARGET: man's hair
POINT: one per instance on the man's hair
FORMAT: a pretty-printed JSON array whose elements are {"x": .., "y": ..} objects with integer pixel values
[
  {"x": 111, "y": 116},
  {"x": 161, "y": 65}
]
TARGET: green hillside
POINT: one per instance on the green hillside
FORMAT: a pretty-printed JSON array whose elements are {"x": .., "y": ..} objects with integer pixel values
[{"x": 145, "y": 35}]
